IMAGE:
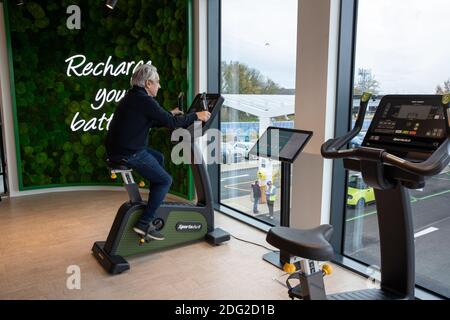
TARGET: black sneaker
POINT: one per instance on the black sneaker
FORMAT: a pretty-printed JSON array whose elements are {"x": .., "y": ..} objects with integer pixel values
[{"x": 148, "y": 230}]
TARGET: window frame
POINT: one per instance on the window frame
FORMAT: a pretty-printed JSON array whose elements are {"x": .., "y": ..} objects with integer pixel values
[
  {"x": 214, "y": 22},
  {"x": 213, "y": 81},
  {"x": 2, "y": 160},
  {"x": 344, "y": 103},
  {"x": 344, "y": 99}
]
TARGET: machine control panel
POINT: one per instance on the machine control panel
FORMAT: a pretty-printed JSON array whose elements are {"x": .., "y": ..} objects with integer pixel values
[
  {"x": 408, "y": 124},
  {"x": 207, "y": 102}
]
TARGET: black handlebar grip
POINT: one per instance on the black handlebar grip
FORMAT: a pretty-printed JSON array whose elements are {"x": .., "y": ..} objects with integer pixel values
[
  {"x": 330, "y": 148},
  {"x": 430, "y": 167},
  {"x": 181, "y": 101},
  {"x": 204, "y": 101}
]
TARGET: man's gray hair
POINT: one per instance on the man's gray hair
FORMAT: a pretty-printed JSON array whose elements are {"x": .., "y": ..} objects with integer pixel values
[{"x": 143, "y": 73}]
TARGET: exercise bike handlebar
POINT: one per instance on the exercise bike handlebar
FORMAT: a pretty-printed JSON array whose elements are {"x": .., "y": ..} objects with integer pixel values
[
  {"x": 430, "y": 167},
  {"x": 332, "y": 148}
]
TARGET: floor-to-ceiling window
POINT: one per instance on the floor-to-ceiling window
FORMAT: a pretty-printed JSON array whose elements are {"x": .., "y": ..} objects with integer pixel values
[
  {"x": 402, "y": 48},
  {"x": 258, "y": 53}
]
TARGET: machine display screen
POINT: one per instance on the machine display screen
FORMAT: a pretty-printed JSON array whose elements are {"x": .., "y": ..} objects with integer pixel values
[
  {"x": 417, "y": 120},
  {"x": 281, "y": 144},
  {"x": 415, "y": 112},
  {"x": 409, "y": 123},
  {"x": 204, "y": 103}
]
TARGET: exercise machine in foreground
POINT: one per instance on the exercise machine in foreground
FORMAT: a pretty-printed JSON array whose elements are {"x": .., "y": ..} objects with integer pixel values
[
  {"x": 181, "y": 223},
  {"x": 407, "y": 142}
]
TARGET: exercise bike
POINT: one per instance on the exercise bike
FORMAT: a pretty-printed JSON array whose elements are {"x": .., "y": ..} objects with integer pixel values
[
  {"x": 181, "y": 223},
  {"x": 407, "y": 142}
]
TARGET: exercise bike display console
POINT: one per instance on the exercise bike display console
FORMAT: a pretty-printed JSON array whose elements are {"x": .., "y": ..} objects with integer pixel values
[
  {"x": 181, "y": 223},
  {"x": 207, "y": 102},
  {"x": 407, "y": 142}
]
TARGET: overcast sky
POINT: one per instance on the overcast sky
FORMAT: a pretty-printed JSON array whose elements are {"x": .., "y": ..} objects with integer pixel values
[
  {"x": 404, "y": 42},
  {"x": 262, "y": 34}
]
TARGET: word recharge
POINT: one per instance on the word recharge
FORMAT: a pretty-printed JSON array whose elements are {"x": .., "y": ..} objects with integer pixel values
[{"x": 78, "y": 66}]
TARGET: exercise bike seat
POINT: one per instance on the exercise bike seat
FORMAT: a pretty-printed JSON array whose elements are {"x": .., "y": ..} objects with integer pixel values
[
  {"x": 117, "y": 166},
  {"x": 310, "y": 244}
]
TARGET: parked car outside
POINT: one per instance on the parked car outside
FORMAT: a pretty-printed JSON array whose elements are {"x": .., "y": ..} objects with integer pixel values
[
  {"x": 243, "y": 148},
  {"x": 359, "y": 194},
  {"x": 230, "y": 155}
]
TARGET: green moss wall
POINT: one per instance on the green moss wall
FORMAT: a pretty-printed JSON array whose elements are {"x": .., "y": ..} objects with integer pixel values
[{"x": 49, "y": 104}]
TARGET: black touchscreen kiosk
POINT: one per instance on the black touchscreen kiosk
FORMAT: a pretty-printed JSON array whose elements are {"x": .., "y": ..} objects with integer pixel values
[
  {"x": 284, "y": 145},
  {"x": 281, "y": 144}
]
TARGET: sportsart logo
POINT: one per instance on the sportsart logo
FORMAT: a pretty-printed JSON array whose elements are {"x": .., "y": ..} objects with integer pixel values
[
  {"x": 402, "y": 140},
  {"x": 188, "y": 227}
]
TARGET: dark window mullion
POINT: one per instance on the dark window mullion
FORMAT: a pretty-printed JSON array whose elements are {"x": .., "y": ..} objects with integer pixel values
[
  {"x": 213, "y": 83},
  {"x": 2, "y": 161},
  {"x": 347, "y": 46}
]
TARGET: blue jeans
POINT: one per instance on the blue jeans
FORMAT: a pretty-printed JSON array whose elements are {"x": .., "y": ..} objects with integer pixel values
[
  {"x": 150, "y": 165},
  {"x": 255, "y": 205}
]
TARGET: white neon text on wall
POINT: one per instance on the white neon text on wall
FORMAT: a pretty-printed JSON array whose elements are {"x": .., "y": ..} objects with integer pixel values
[{"x": 78, "y": 66}]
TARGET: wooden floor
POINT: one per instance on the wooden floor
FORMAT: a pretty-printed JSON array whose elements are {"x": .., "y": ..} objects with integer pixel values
[{"x": 41, "y": 236}]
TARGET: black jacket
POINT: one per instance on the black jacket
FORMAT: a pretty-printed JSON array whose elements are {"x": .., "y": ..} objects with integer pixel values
[
  {"x": 136, "y": 114},
  {"x": 256, "y": 191}
]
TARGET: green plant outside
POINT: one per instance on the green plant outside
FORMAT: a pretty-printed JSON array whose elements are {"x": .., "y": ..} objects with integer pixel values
[{"x": 45, "y": 99}]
